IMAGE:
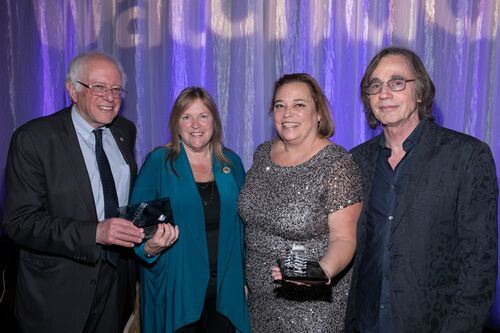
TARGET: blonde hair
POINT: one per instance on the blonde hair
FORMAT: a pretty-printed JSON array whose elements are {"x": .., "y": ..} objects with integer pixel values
[{"x": 185, "y": 99}]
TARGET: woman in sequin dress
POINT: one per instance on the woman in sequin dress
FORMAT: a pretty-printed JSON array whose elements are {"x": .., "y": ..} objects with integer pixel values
[{"x": 301, "y": 189}]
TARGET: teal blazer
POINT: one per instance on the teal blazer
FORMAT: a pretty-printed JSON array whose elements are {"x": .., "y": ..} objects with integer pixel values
[{"x": 173, "y": 284}]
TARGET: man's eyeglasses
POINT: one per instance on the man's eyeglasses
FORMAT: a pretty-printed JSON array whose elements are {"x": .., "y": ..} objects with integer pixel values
[
  {"x": 394, "y": 84},
  {"x": 100, "y": 90}
]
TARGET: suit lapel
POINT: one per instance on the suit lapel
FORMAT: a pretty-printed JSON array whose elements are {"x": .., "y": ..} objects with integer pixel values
[
  {"x": 127, "y": 153},
  {"x": 370, "y": 164},
  {"x": 417, "y": 169},
  {"x": 76, "y": 162}
]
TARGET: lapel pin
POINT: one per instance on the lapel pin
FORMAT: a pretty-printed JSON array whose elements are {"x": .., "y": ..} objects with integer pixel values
[
  {"x": 121, "y": 139},
  {"x": 226, "y": 169}
]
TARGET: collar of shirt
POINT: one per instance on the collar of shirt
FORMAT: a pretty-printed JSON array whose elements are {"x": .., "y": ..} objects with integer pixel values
[
  {"x": 408, "y": 144},
  {"x": 84, "y": 129},
  {"x": 119, "y": 167}
]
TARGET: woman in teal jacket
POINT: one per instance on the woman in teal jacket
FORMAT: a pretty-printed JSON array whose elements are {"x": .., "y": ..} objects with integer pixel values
[{"x": 193, "y": 283}]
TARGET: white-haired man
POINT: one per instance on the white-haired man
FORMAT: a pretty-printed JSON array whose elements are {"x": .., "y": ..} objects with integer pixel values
[{"x": 66, "y": 176}]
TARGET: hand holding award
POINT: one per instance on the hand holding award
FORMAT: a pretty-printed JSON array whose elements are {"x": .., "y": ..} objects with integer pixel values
[
  {"x": 296, "y": 267},
  {"x": 149, "y": 214}
]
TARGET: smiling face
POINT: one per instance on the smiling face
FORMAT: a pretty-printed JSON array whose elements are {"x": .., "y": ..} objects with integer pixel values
[
  {"x": 97, "y": 110},
  {"x": 295, "y": 115},
  {"x": 392, "y": 108},
  {"x": 196, "y": 126}
]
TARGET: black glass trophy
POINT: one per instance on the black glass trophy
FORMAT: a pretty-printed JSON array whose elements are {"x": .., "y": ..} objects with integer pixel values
[
  {"x": 295, "y": 266},
  {"x": 148, "y": 214}
]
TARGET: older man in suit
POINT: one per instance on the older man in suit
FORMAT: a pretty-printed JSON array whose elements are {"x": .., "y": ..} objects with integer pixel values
[
  {"x": 66, "y": 176},
  {"x": 427, "y": 237}
]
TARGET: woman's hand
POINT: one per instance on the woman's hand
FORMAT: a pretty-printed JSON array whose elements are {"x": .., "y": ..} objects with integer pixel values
[
  {"x": 276, "y": 273},
  {"x": 326, "y": 272},
  {"x": 164, "y": 237},
  {"x": 277, "y": 276}
]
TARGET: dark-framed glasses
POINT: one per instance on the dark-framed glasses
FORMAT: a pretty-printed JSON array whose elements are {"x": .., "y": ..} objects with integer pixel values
[
  {"x": 394, "y": 84},
  {"x": 100, "y": 90}
]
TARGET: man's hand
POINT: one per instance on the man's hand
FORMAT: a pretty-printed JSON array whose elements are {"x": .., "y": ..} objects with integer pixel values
[{"x": 118, "y": 231}]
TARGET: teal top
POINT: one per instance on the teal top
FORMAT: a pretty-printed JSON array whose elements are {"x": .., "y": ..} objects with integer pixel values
[{"x": 173, "y": 284}]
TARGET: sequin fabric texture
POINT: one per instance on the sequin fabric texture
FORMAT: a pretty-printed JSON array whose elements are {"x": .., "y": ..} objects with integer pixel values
[{"x": 282, "y": 206}]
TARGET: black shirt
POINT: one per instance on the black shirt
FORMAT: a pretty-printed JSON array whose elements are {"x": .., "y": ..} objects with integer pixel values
[
  {"x": 211, "y": 206},
  {"x": 373, "y": 298}
]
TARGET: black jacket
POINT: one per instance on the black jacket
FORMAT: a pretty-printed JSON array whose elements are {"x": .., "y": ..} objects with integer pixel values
[
  {"x": 444, "y": 240},
  {"x": 50, "y": 213}
]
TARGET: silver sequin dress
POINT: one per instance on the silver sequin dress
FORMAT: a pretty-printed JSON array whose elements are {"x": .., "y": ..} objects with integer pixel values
[{"x": 286, "y": 205}]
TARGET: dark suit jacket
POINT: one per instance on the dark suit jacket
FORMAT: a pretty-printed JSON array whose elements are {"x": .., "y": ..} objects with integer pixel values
[
  {"x": 50, "y": 213},
  {"x": 444, "y": 240}
]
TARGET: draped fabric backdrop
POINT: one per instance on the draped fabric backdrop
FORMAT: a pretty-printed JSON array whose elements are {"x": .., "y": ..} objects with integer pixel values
[{"x": 237, "y": 49}]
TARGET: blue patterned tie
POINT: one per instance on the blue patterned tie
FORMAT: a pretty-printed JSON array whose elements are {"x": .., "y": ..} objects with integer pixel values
[{"x": 108, "y": 188}]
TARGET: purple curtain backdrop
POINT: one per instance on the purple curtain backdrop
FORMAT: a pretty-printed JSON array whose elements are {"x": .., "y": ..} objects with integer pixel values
[{"x": 237, "y": 49}]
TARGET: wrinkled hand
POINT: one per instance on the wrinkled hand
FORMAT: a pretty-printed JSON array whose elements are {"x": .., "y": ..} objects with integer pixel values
[
  {"x": 118, "y": 231},
  {"x": 164, "y": 237}
]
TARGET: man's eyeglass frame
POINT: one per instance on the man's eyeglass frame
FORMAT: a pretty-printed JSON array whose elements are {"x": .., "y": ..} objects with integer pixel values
[
  {"x": 390, "y": 84},
  {"x": 94, "y": 90}
]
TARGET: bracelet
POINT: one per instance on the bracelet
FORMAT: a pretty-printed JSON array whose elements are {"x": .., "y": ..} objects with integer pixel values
[{"x": 149, "y": 255}]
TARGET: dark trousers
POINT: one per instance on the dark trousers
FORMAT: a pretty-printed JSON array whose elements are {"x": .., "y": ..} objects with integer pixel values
[
  {"x": 210, "y": 321},
  {"x": 107, "y": 314}
]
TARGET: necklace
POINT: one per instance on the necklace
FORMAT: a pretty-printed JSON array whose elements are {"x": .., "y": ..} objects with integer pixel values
[
  {"x": 202, "y": 174},
  {"x": 202, "y": 188},
  {"x": 205, "y": 184}
]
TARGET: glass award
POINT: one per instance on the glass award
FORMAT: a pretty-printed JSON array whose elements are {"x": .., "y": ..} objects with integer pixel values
[
  {"x": 295, "y": 265},
  {"x": 148, "y": 214}
]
